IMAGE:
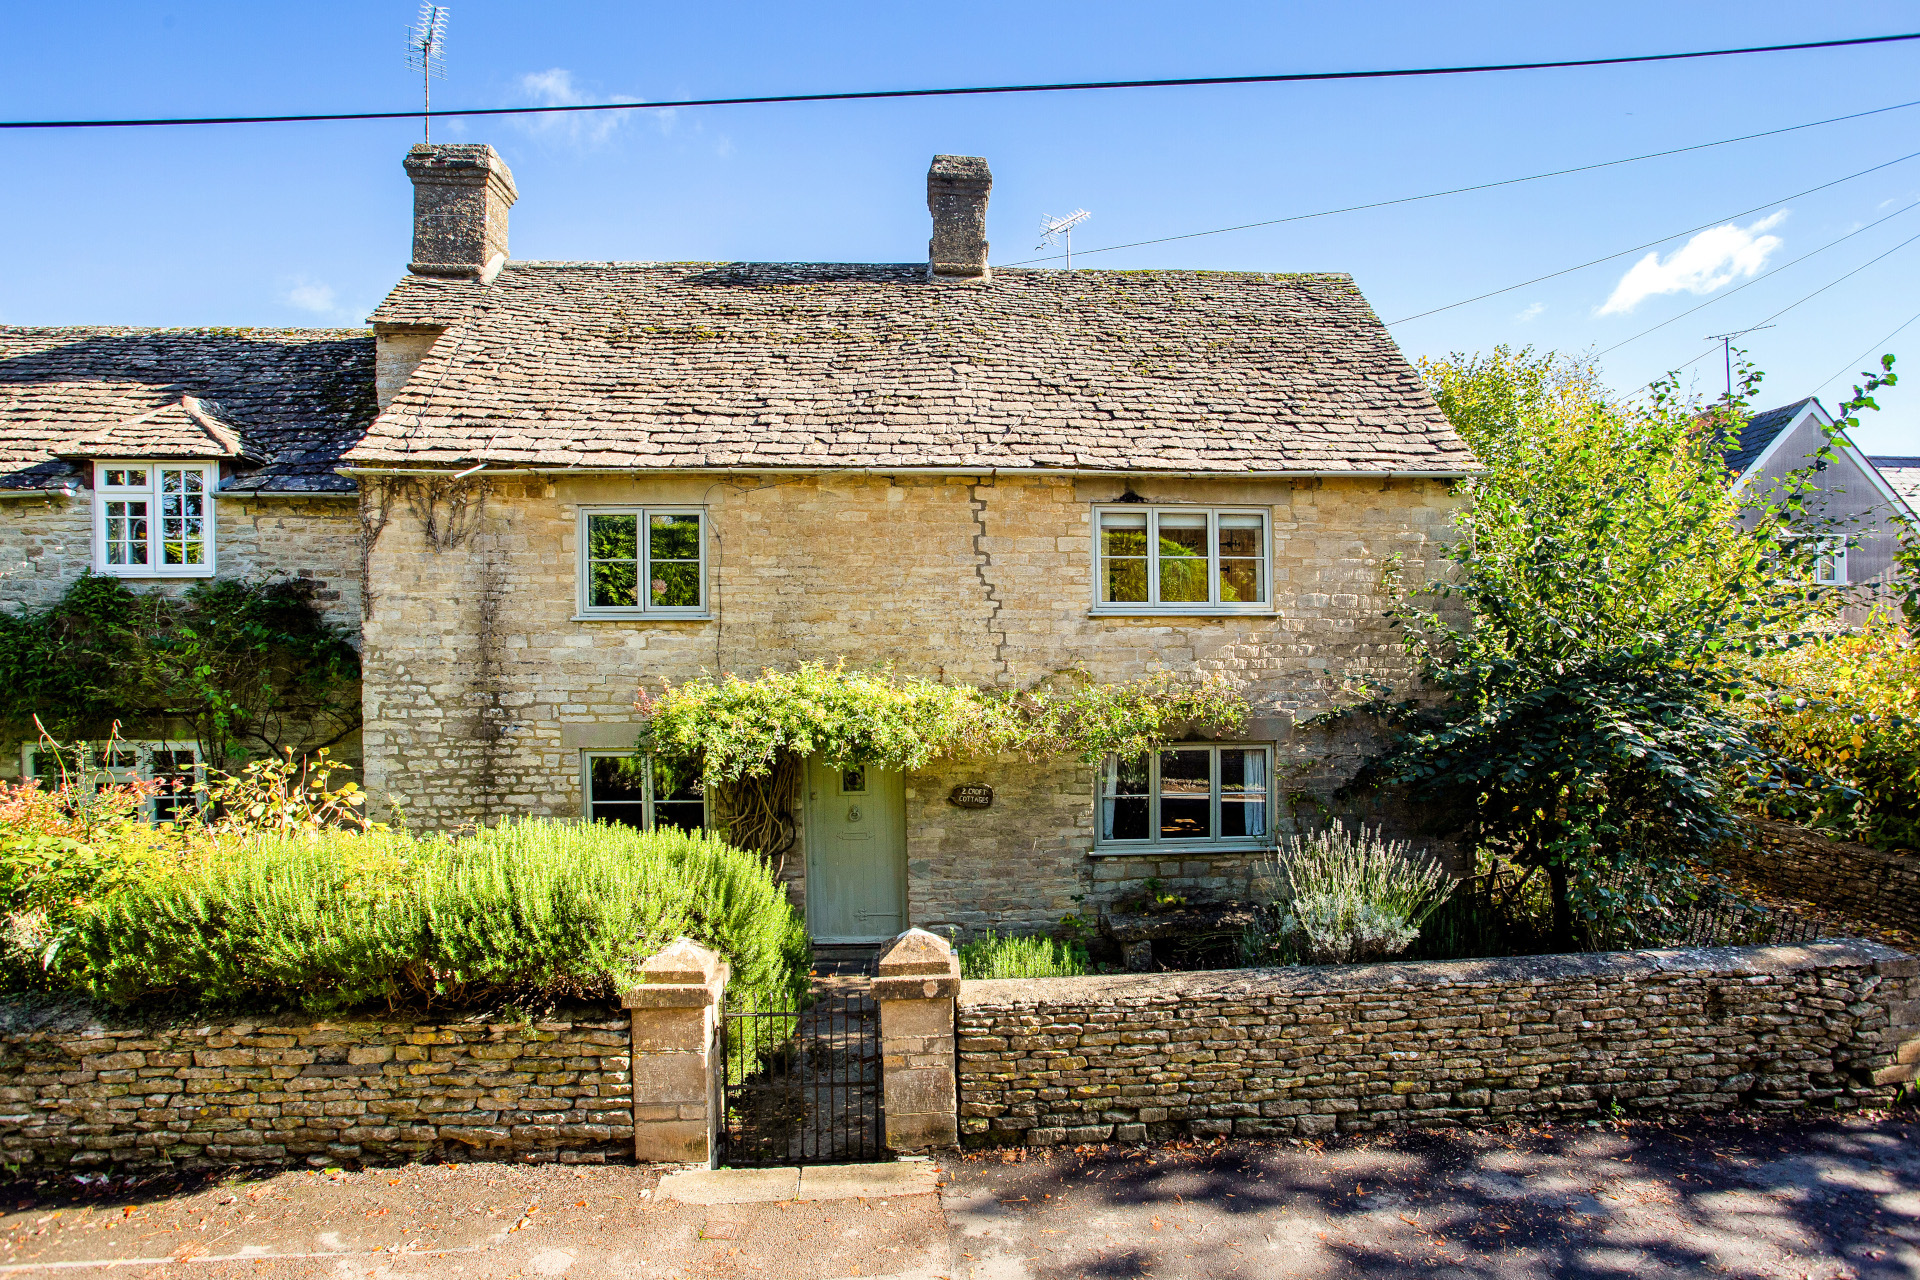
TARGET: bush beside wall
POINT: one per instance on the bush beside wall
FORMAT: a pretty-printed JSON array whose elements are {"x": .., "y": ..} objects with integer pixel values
[
  {"x": 1313, "y": 1051},
  {"x": 79, "y": 1092}
]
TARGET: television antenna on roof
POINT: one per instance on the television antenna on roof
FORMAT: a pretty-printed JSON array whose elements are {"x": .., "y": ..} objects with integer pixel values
[
  {"x": 1726, "y": 349},
  {"x": 426, "y": 53},
  {"x": 1053, "y": 230}
]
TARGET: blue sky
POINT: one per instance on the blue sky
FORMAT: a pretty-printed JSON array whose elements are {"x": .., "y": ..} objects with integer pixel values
[{"x": 308, "y": 224}]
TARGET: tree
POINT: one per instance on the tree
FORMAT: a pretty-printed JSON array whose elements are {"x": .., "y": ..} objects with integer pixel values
[{"x": 1586, "y": 660}]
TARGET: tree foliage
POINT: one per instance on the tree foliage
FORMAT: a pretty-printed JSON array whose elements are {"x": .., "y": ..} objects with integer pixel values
[
  {"x": 1587, "y": 657},
  {"x": 248, "y": 668}
]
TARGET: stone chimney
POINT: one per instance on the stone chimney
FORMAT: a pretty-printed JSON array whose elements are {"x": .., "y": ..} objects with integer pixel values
[
  {"x": 461, "y": 194},
  {"x": 957, "y": 189}
]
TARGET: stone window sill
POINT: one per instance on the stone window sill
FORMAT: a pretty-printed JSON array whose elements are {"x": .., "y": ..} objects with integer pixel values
[
  {"x": 1174, "y": 850},
  {"x": 1183, "y": 613},
  {"x": 642, "y": 617}
]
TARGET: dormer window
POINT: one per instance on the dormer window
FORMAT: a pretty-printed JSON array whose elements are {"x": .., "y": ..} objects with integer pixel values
[{"x": 153, "y": 519}]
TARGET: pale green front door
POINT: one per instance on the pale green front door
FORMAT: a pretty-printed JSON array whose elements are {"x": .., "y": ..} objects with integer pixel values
[{"x": 856, "y": 853}]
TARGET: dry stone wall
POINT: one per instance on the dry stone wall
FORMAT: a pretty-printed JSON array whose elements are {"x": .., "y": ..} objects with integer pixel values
[
  {"x": 484, "y": 686},
  {"x": 1315, "y": 1051},
  {"x": 1853, "y": 880},
  {"x": 81, "y": 1092}
]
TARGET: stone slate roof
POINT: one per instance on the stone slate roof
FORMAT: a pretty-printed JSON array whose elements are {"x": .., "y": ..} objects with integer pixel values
[
  {"x": 1759, "y": 432},
  {"x": 767, "y": 365},
  {"x": 187, "y": 428},
  {"x": 295, "y": 398},
  {"x": 1904, "y": 475}
]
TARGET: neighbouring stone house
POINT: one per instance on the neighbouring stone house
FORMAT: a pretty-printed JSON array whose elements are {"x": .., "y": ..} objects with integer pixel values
[
  {"x": 166, "y": 457},
  {"x": 1848, "y": 488},
  {"x": 587, "y": 478},
  {"x": 592, "y": 477}
]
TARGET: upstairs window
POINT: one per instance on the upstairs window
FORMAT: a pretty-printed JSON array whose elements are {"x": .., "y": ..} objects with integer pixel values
[
  {"x": 176, "y": 766},
  {"x": 643, "y": 561},
  {"x": 1830, "y": 562},
  {"x": 1189, "y": 796},
  {"x": 154, "y": 519},
  {"x": 1180, "y": 560},
  {"x": 634, "y": 791}
]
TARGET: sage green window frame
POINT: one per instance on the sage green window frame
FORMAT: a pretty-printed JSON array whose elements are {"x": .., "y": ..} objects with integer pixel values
[
  {"x": 1108, "y": 788},
  {"x": 646, "y": 800},
  {"x": 644, "y": 607},
  {"x": 1154, "y": 604}
]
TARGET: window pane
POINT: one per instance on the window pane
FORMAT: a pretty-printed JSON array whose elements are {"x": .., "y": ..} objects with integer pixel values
[
  {"x": 1186, "y": 799},
  {"x": 853, "y": 782},
  {"x": 679, "y": 816},
  {"x": 1242, "y": 560},
  {"x": 1243, "y": 792},
  {"x": 1123, "y": 556},
  {"x": 675, "y": 584},
  {"x": 173, "y": 770},
  {"x": 626, "y": 815},
  {"x": 613, "y": 561},
  {"x": 678, "y": 782},
  {"x": 673, "y": 537},
  {"x": 673, "y": 561},
  {"x": 617, "y": 778},
  {"x": 1123, "y": 804},
  {"x": 1183, "y": 558}
]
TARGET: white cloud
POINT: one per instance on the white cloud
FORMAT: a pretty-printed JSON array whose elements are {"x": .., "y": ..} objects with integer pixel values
[
  {"x": 311, "y": 295},
  {"x": 1711, "y": 259},
  {"x": 554, "y": 87},
  {"x": 1533, "y": 309}
]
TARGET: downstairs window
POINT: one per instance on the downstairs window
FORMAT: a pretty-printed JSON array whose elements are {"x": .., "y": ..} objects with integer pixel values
[
  {"x": 176, "y": 766},
  {"x": 630, "y": 789},
  {"x": 1192, "y": 795}
]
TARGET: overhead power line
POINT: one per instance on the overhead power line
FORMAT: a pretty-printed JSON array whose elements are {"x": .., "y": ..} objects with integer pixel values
[
  {"x": 1482, "y": 186},
  {"x": 1841, "y": 371},
  {"x": 974, "y": 90},
  {"x": 1722, "y": 297},
  {"x": 1594, "y": 262}
]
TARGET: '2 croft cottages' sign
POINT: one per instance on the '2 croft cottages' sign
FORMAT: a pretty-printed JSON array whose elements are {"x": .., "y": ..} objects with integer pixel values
[{"x": 972, "y": 795}]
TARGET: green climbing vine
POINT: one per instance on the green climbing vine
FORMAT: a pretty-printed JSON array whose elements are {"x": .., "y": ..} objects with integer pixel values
[{"x": 246, "y": 668}]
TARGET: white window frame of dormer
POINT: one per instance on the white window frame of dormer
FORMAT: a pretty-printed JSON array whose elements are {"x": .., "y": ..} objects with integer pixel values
[
  {"x": 122, "y": 761},
  {"x": 113, "y": 503},
  {"x": 1153, "y": 604},
  {"x": 583, "y": 576},
  {"x": 1830, "y": 562}
]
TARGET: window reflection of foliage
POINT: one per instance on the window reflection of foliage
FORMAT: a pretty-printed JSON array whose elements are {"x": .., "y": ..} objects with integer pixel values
[{"x": 246, "y": 668}]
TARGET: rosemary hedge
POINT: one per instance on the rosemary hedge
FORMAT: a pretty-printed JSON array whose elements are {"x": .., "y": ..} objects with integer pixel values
[{"x": 524, "y": 913}]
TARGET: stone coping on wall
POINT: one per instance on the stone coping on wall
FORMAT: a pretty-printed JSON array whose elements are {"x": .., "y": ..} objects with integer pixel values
[
  {"x": 1119, "y": 988},
  {"x": 1315, "y": 1050}
]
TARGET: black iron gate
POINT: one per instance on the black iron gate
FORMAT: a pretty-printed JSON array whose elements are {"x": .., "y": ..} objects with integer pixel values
[{"x": 803, "y": 1084}]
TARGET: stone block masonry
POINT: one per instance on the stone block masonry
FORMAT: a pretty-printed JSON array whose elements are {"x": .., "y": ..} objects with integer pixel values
[
  {"x": 1852, "y": 880},
  {"x": 1317, "y": 1050},
  {"x": 79, "y": 1092}
]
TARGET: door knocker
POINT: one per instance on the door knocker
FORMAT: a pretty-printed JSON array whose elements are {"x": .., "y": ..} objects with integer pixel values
[{"x": 853, "y": 813}]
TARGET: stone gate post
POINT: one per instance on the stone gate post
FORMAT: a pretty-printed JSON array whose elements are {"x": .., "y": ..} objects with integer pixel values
[
  {"x": 915, "y": 984},
  {"x": 678, "y": 1064}
]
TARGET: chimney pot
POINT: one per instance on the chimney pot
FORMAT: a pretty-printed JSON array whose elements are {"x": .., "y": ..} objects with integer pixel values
[
  {"x": 957, "y": 190},
  {"x": 461, "y": 194}
]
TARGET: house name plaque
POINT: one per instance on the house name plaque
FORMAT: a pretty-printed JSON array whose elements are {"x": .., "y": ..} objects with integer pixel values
[{"x": 972, "y": 795}]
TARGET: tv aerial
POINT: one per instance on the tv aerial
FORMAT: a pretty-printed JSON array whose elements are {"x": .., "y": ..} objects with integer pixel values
[
  {"x": 1053, "y": 230},
  {"x": 426, "y": 53},
  {"x": 1726, "y": 349}
]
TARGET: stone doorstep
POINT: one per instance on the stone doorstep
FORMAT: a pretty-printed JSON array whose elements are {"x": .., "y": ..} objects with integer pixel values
[{"x": 811, "y": 1182}]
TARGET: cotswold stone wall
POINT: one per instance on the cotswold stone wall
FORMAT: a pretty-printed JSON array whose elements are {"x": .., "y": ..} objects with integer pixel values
[
  {"x": 1849, "y": 879},
  {"x": 1312, "y": 1051},
  {"x": 46, "y": 544},
  {"x": 483, "y": 686},
  {"x": 75, "y": 1091}
]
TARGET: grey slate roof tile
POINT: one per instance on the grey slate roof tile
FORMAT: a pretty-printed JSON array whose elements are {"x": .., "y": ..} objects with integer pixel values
[
  {"x": 1759, "y": 432},
  {"x": 297, "y": 398},
  {"x": 744, "y": 365}
]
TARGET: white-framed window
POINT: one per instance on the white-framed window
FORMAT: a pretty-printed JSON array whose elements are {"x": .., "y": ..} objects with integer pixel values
[
  {"x": 1150, "y": 559},
  {"x": 154, "y": 519},
  {"x": 643, "y": 562},
  {"x": 177, "y": 766},
  {"x": 1830, "y": 562},
  {"x": 1190, "y": 795},
  {"x": 628, "y": 788}
]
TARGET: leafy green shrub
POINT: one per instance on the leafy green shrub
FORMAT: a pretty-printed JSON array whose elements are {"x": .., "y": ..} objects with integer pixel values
[
  {"x": 994, "y": 956},
  {"x": 1847, "y": 710},
  {"x": 528, "y": 911},
  {"x": 1352, "y": 896}
]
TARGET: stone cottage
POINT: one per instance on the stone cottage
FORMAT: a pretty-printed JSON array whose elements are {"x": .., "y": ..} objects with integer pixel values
[
  {"x": 541, "y": 487},
  {"x": 587, "y": 478},
  {"x": 166, "y": 457}
]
